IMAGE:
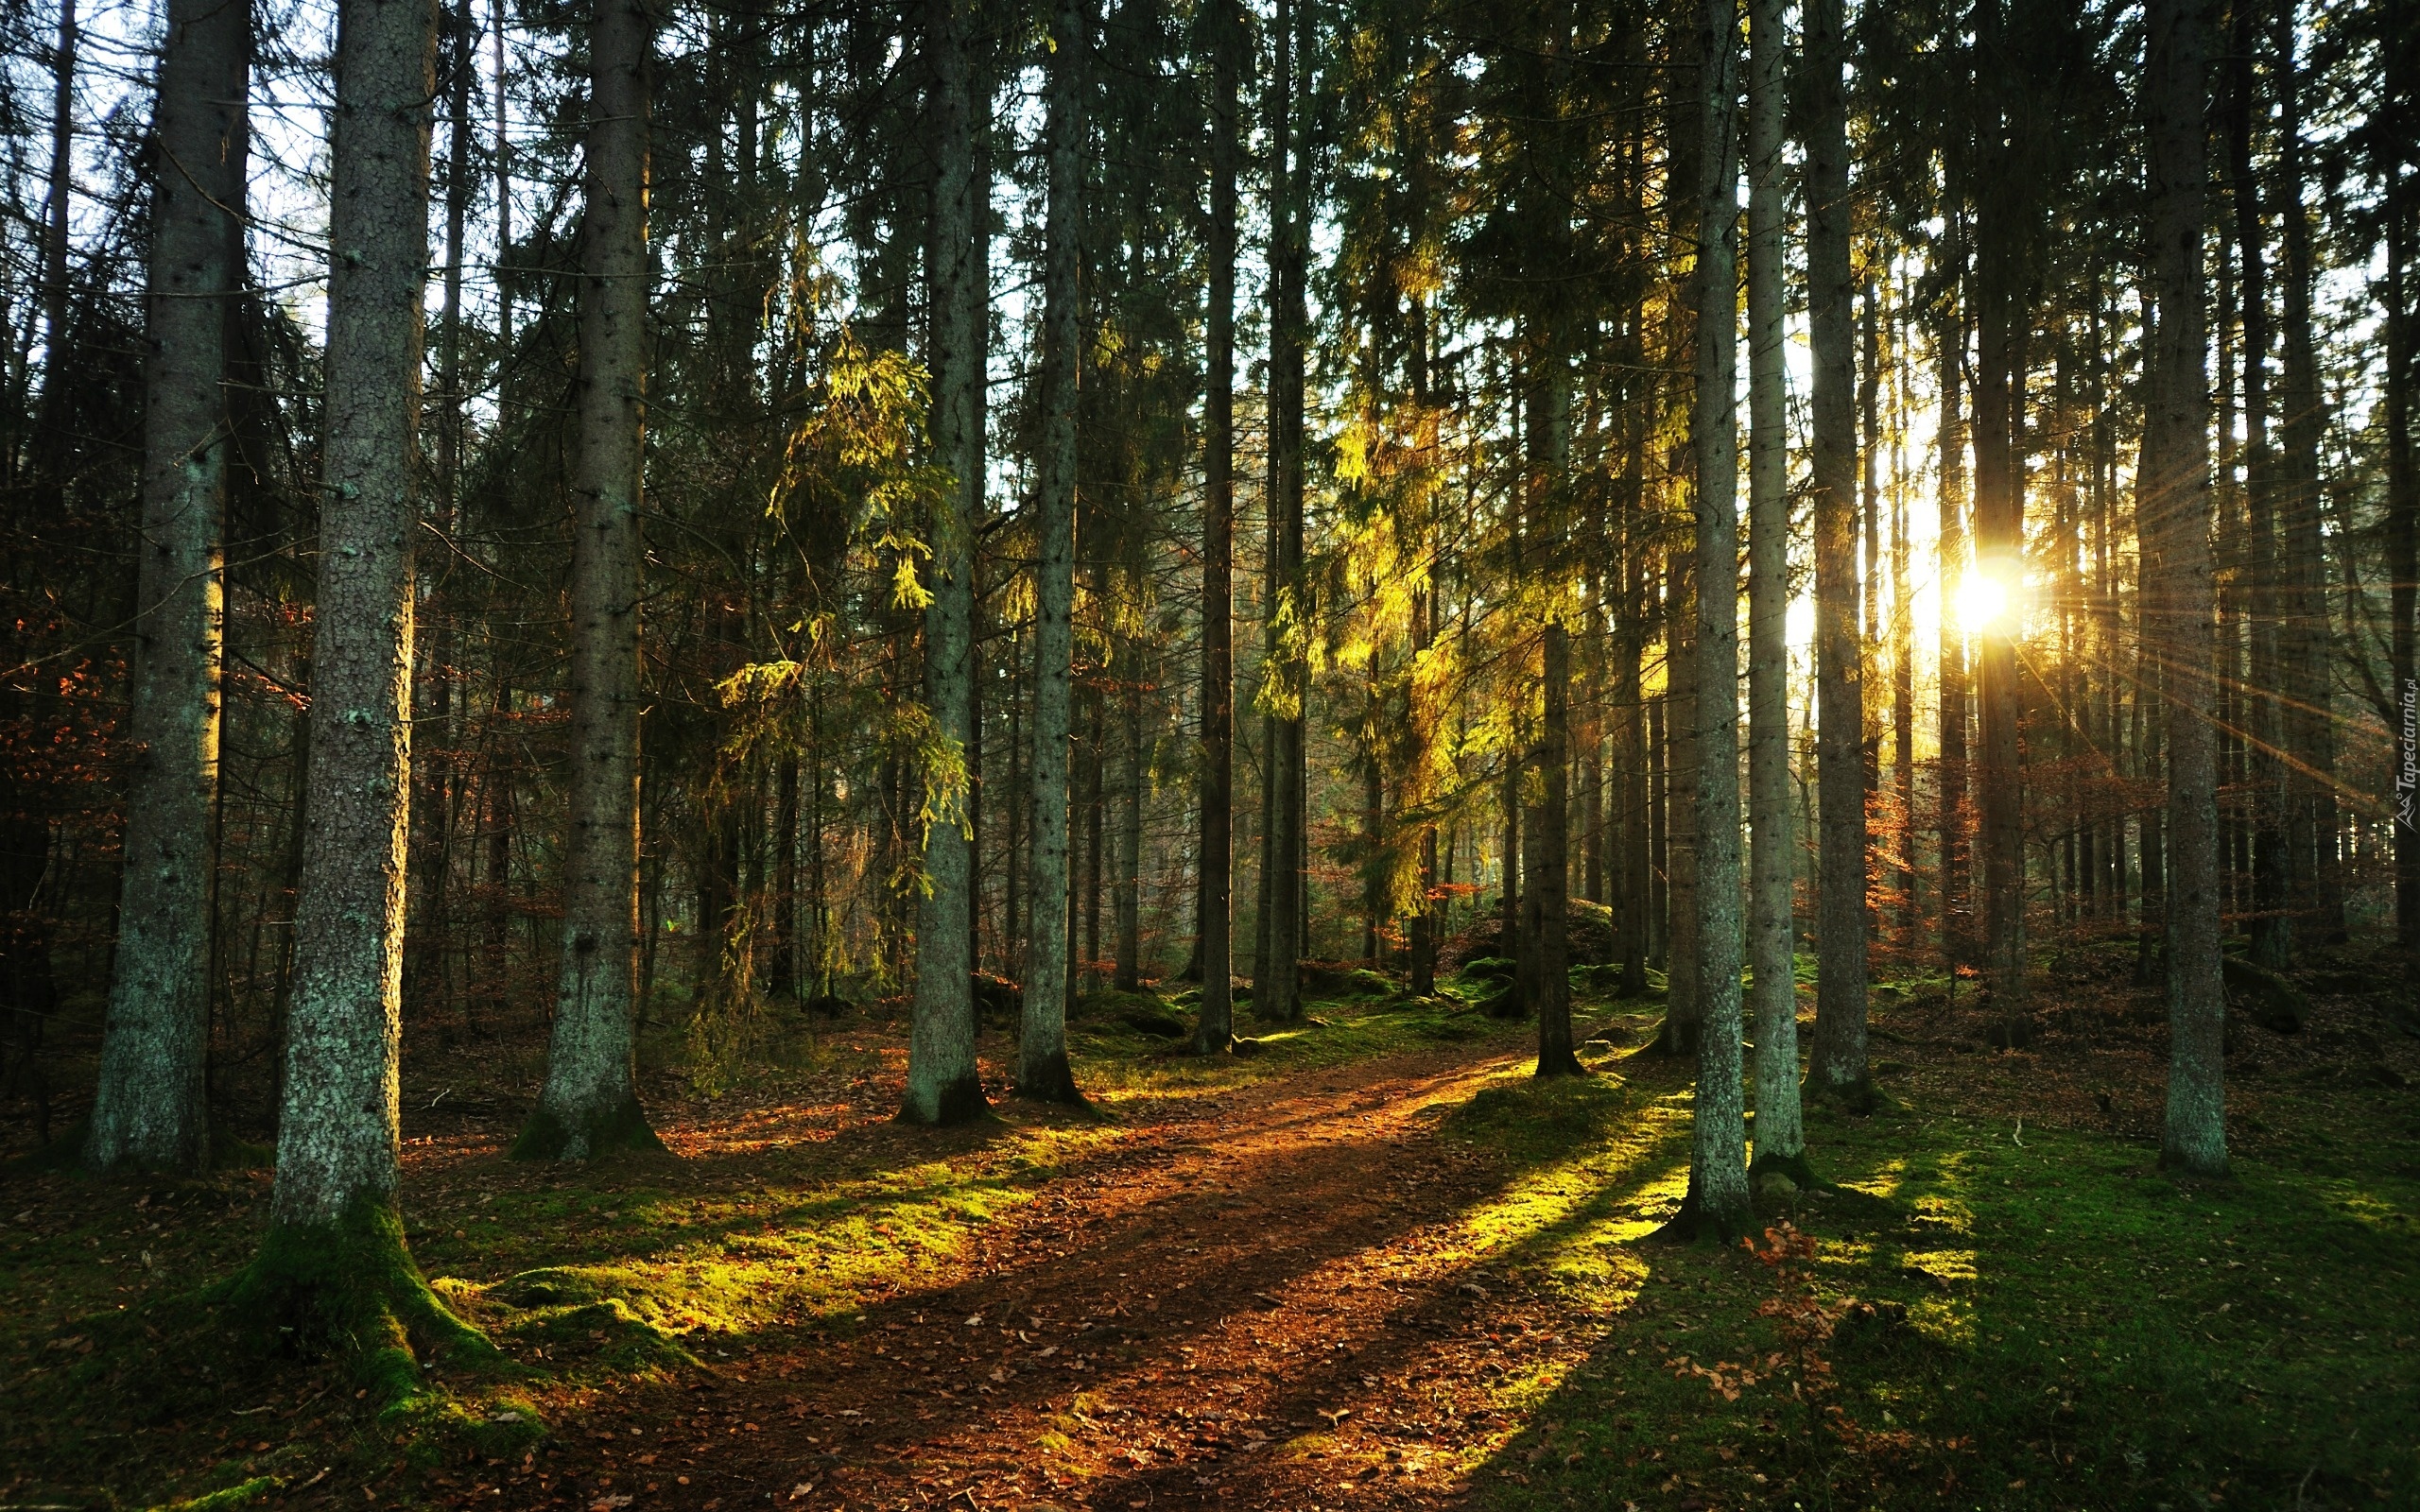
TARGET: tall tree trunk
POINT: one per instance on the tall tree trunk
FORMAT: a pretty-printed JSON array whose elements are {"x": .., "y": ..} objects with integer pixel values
[
  {"x": 589, "y": 1102},
  {"x": 2273, "y": 879},
  {"x": 150, "y": 1108},
  {"x": 1043, "y": 1071},
  {"x": 2403, "y": 526},
  {"x": 2176, "y": 501},
  {"x": 62, "y": 195},
  {"x": 1134, "y": 779},
  {"x": 2310, "y": 729},
  {"x": 943, "y": 1084},
  {"x": 1632, "y": 747},
  {"x": 333, "y": 1265},
  {"x": 1837, "y": 1069},
  {"x": 1718, "y": 1150},
  {"x": 1278, "y": 997},
  {"x": 1685, "y": 209},
  {"x": 1999, "y": 555},
  {"x": 1781, "y": 1139},
  {"x": 427, "y": 983},
  {"x": 1215, "y": 1031},
  {"x": 1549, "y": 876},
  {"x": 1949, "y": 567}
]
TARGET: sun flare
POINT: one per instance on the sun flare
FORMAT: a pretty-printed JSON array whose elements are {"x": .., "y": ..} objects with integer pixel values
[{"x": 1983, "y": 600}]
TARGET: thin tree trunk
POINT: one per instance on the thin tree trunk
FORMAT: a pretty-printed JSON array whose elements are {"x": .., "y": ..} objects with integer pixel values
[
  {"x": 1999, "y": 543},
  {"x": 1278, "y": 997},
  {"x": 1549, "y": 877},
  {"x": 1215, "y": 1031},
  {"x": 150, "y": 1108},
  {"x": 1781, "y": 1139},
  {"x": 2272, "y": 880},
  {"x": 943, "y": 1083},
  {"x": 1125, "y": 889},
  {"x": 2310, "y": 729},
  {"x": 427, "y": 983},
  {"x": 1837, "y": 1068},
  {"x": 589, "y": 1102},
  {"x": 55, "y": 362},
  {"x": 1949, "y": 568},
  {"x": 333, "y": 1259},
  {"x": 2176, "y": 487},
  {"x": 1718, "y": 1151},
  {"x": 1043, "y": 1071}
]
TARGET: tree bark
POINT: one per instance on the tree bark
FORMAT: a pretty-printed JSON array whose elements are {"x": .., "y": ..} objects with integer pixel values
[
  {"x": 1781, "y": 1139},
  {"x": 1838, "y": 1065},
  {"x": 945, "y": 1085},
  {"x": 1043, "y": 1071},
  {"x": 1278, "y": 997},
  {"x": 1949, "y": 567},
  {"x": 2000, "y": 542},
  {"x": 1549, "y": 876},
  {"x": 332, "y": 1265},
  {"x": 1214, "y": 1030},
  {"x": 150, "y": 1109},
  {"x": 2310, "y": 730},
  {"x": 2177, "y": 503},
  {"x": 589, "y": 1102},
  {"x": 1718, "y": 1151},
  {"x": 2271, "y": 926},
  {"x": 1134, "y": 779}
]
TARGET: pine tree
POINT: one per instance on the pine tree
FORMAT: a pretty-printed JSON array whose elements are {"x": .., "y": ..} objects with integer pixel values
[
  {"x": 945, "y": 1085},
  {"x": 150, "y": 1108},
  {"x": 2174, "y": 506},
  {"x": 1781, "y": 1140},
  {"x": 1043, "y": 1071},
  {"x": 1838, "y": 1066},
  {"x": 589, "y": 1102},
  {"x": 332, "y": 1265}
]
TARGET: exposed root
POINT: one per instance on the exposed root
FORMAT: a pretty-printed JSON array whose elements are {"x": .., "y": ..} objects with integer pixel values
[{"x": 351, "y": 1289}]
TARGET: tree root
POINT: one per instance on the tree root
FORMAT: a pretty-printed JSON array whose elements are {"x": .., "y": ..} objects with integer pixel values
[{"x": 349, "y": 1289}]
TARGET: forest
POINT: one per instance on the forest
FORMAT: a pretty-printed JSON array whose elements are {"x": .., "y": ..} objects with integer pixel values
[{"x": 1209, "y": 753}]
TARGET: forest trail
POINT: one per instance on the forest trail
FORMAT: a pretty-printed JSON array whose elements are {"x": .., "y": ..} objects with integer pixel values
[{"x": 1265, "y": 1299}]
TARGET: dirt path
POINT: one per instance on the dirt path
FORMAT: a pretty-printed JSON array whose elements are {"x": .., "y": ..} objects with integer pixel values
[{"x": 1264, "y": 1301}]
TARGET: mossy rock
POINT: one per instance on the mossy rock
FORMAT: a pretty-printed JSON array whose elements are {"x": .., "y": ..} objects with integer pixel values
[
  {"x": 552, "y": 1286},
  {"x": 1157, "y": 1023}
]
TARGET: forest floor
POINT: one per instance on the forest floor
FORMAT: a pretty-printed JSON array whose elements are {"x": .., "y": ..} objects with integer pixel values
[{"x": 1377, "y": 1266}]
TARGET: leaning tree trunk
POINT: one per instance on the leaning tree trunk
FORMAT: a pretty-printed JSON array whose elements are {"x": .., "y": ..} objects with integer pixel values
[
  {"x": 1215, "y": 1029},
  {"x": 1718, "y": 1193},
  {"x": 1838, "y": 1066},
  {"x": 1043, "y": 1071},
  {"x": 1781, "y": 1140},
  {"x": 2176, "y": 501},
  {"x": 150, "y": 1108},
  {"x": 332, "y": 1265},
  {"x": 945, "y": 1085},
  {"x": 589, "y": 1102}
]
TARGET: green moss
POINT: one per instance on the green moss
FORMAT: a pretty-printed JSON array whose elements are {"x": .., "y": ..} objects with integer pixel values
[
  {"x": 351, "y": 1289},
  {"x": 244, "y": 1493}
]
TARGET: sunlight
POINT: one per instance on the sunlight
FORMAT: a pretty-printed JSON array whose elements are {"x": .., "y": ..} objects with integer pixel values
[{"x": 1983, "y": 600}]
